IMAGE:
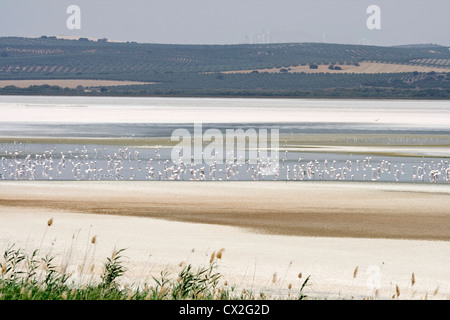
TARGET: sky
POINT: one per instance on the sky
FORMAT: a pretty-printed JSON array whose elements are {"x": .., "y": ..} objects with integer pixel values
[{"x": 401, "y": 22}]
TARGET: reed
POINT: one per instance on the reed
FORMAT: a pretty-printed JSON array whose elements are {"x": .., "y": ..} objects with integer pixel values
[{"x": 19, "y": 280}]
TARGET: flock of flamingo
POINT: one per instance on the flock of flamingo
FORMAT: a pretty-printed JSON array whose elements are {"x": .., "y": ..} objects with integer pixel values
[{"x": 102, "y": 163}]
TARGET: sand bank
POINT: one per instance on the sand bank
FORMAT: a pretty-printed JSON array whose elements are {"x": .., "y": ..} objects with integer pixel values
[{"x": 325, "y": 209}]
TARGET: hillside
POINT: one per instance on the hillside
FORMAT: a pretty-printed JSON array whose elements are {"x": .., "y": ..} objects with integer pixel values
[{"x": 263, "y": 69}]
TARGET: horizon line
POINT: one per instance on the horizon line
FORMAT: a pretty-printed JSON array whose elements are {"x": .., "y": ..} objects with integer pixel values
[{"x": 95, "y": 39}]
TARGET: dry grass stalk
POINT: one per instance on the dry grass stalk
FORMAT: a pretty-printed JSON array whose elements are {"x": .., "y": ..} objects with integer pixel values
[
  {"x": 355, "y": 273},
  {"x": 213, "y": 255},
  {"x": 219, "y": 253},
  {"x": 274, "y": 278},
  {"x": 436, "y": 291}
]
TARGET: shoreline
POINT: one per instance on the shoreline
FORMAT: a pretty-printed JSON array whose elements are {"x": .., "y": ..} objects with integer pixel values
[{"x": 231, "y": 96}]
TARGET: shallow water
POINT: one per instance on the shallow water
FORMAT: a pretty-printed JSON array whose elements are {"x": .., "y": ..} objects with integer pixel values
[
  {"x": 104, "y": 162},
  {"x": 364, "y": 139}
]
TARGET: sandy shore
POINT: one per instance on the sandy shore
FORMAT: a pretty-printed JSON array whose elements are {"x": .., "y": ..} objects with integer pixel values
[
  {"x": 326, "y": 209},
  {"x": 320, "y": 229}
]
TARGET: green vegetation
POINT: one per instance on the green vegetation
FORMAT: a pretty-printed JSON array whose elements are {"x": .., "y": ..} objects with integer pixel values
[
  {"x": 30, "y": 277},
  {"x": 198, "y": 70},
  {"x": 148, "y": 91}
]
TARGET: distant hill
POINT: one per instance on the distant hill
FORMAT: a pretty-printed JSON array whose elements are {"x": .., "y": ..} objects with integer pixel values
[
  {"x": 204, "y": 69},
  {"x": 420, "y": 46}
]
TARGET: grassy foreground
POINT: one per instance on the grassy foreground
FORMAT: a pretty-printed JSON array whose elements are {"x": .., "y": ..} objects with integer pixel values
[{"x": 31, "y": 277}]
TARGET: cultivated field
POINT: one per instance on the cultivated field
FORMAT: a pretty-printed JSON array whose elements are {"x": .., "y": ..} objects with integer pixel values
[
  {"x": 364, "y": 67},
  {"x": 68, "y": 83}
]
